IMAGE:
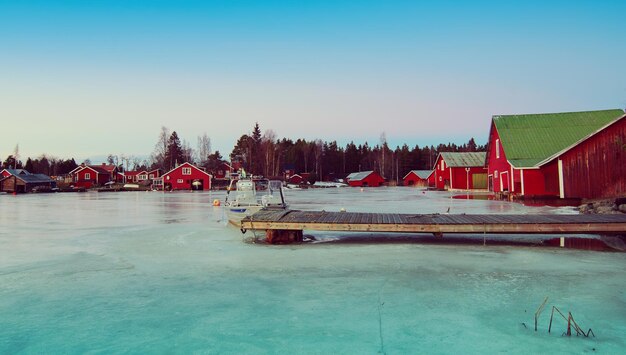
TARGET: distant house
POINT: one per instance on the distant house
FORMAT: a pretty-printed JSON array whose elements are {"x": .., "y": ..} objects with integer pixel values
[
  {"x": 417, "y": 178},
  {"x": 139, "y": 176},
  {"x": 20, "y": 180},
  {"x": 184, "y": 177},
  {"x": 566, "y": 155},
  {"x": 302, "y": 178},
  {"x": 297, "y": 179},
  {"x": 365, "y": 178},
  {"x": 88, "y": 176},
  {"x": 460, "y": 171},
  {"x": 223, "y": 171}
]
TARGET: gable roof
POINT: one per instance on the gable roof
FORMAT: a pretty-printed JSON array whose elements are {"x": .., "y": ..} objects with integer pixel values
[
  {"x": 16, "y": 171},
  {"x": 190, "y": 166},
  {"x": 464, "y": 159},
  {"x": 95, "y": 168},
  {"x": 359, "y": 175},
  {"x": 422, "y": 174},
  {"x": 35, "y": 178},
  {"x": 529, "y": 140}
]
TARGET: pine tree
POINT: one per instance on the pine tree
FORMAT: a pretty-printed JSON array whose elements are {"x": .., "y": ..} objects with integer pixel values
[{"x": 174, "y": 153}]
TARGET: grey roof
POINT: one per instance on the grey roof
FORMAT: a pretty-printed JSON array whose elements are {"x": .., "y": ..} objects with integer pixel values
[
  {"x": 17, "y": 171},
  {"x": 422, "y": 174},
  {"x": 35, "y": 178},
  {"x": 359, "y": 175},
  {"x": 465, "y": 159}
]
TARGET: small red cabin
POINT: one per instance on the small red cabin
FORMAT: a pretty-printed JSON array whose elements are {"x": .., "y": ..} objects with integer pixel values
[
  {"x": 417, "y": 178},
  {"x": 460, "y": 171},
  {"x": 365, "y": 178},
  {"x": 184, "y": 177}
]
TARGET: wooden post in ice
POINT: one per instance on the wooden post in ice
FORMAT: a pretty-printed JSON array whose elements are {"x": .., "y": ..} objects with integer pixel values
[{"x": 281, "y": 236}]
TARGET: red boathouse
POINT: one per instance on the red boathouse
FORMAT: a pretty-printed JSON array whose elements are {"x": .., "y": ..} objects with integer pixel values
[
  {"x": 365, "y": 178},
  {"x": 184, "y": 177},
  {"x": 566, "y": 155},
  {"x": 93, "y": 175},
  {"x": 418, "y": 178},
  {"x": 460, "y": 171}
]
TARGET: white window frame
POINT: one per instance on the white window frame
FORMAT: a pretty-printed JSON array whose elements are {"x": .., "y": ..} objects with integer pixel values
[
  {"x": 442, "y": 166},
  {"x": 87, "y": 176},
  {"x": 186, "y": 171},
  {"x": 497, "y": 148},
  {"x": 179, "y": 181}
]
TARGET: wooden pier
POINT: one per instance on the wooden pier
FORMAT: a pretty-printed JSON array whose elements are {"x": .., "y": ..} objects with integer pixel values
[{"x": 286, "y": 226}]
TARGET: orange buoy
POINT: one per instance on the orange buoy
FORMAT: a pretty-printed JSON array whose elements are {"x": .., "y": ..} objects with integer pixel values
[{"x": 216, "y": 202}]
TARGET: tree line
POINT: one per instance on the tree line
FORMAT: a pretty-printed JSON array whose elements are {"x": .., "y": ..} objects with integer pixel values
[{"x": 264, "y": 154}]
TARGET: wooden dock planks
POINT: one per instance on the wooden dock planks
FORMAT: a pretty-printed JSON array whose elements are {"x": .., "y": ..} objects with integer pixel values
[{"x": 435, "y": 223}]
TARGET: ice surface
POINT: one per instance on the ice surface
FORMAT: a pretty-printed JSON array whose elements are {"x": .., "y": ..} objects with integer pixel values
[{"x": 147, "y": 272}]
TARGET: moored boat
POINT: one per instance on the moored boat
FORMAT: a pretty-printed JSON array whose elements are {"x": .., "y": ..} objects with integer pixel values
[{"x": 248, "y": 196}]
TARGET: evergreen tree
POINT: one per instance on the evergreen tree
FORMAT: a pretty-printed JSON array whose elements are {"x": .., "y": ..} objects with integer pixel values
[{"x": 174, "y": 153}]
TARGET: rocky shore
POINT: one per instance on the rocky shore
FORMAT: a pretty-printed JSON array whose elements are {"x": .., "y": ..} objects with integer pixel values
[{"x": 610, "y": 206}]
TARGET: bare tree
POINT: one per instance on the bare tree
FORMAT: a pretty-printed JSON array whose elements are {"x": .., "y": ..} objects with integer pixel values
[
  {"x": 126, "y": 160},
  {"x": 268, "y": 146},
  {"x": 203, "y": 149},
  {"x": 16, "y": 155},
  {"x": 188, "y": 152},
  {"x": 318, "y": 150},
  {"x": 160, "y": 149}
]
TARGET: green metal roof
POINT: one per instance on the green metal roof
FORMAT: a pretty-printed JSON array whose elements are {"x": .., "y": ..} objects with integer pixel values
[
  {"x": 530, "y": 139},
  {"x": 465, "y": 159},
  {"x": 422, "y": 174}
]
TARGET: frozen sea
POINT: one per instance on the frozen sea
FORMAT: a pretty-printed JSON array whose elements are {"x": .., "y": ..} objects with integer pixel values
[{"x": 147, "y": 272}]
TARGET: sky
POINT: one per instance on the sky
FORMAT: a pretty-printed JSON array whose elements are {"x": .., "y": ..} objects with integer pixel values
[{"x": 86, "y": 79}]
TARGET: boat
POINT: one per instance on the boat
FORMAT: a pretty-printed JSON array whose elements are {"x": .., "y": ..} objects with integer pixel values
[{"x": 246, "y": 197}]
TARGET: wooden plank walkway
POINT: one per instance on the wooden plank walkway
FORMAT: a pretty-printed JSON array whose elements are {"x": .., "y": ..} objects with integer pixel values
[{"x": 438, "y": 224}]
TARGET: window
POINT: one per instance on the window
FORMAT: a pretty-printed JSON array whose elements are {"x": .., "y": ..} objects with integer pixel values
[
  {"x": 87, "y": 176},
  {"x": 151, "y": 176},
  {"x": 495, "y": 174},
  {"x": 180, "y": 181},
  {"x": 143, "y": 177},
  {"x": 442, "y": 165},
  {"x": 186, "y": 171},
  {"x": 497, "y": 148}
]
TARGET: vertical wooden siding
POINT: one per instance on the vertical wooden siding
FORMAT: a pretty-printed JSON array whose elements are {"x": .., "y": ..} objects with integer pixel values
[{"x": 596, "y": 168}]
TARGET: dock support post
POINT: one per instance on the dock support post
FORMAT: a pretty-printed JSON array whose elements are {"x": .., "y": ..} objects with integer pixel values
[{"x": 280, "y": 236}]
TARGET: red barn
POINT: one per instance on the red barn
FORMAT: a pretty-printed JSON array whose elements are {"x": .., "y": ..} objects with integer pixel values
[
  {"x": 185, "y": 177},
  {"x": 566, "y": 155},
  {"x": 93, "y": 175},
  {"x": 417, "y": 178},
  {"x": 460, "y": 171},
  {"x": 365, "y": 178}
]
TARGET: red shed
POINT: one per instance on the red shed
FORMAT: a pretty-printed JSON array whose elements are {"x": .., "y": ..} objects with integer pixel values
[
  {"x": 365, "y": 178},
  {"x": 185, "y": 177},
  {"x": 93, "y": 175},
  {"x": 296, "y": 179},
  {"x": 460, "y": 171},
  {"x": 549, "y": 154},
  {"x": 417, "y": 178}
]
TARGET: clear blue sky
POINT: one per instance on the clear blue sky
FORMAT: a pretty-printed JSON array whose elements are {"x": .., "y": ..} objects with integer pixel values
[{"x": 84, "y": 78}]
